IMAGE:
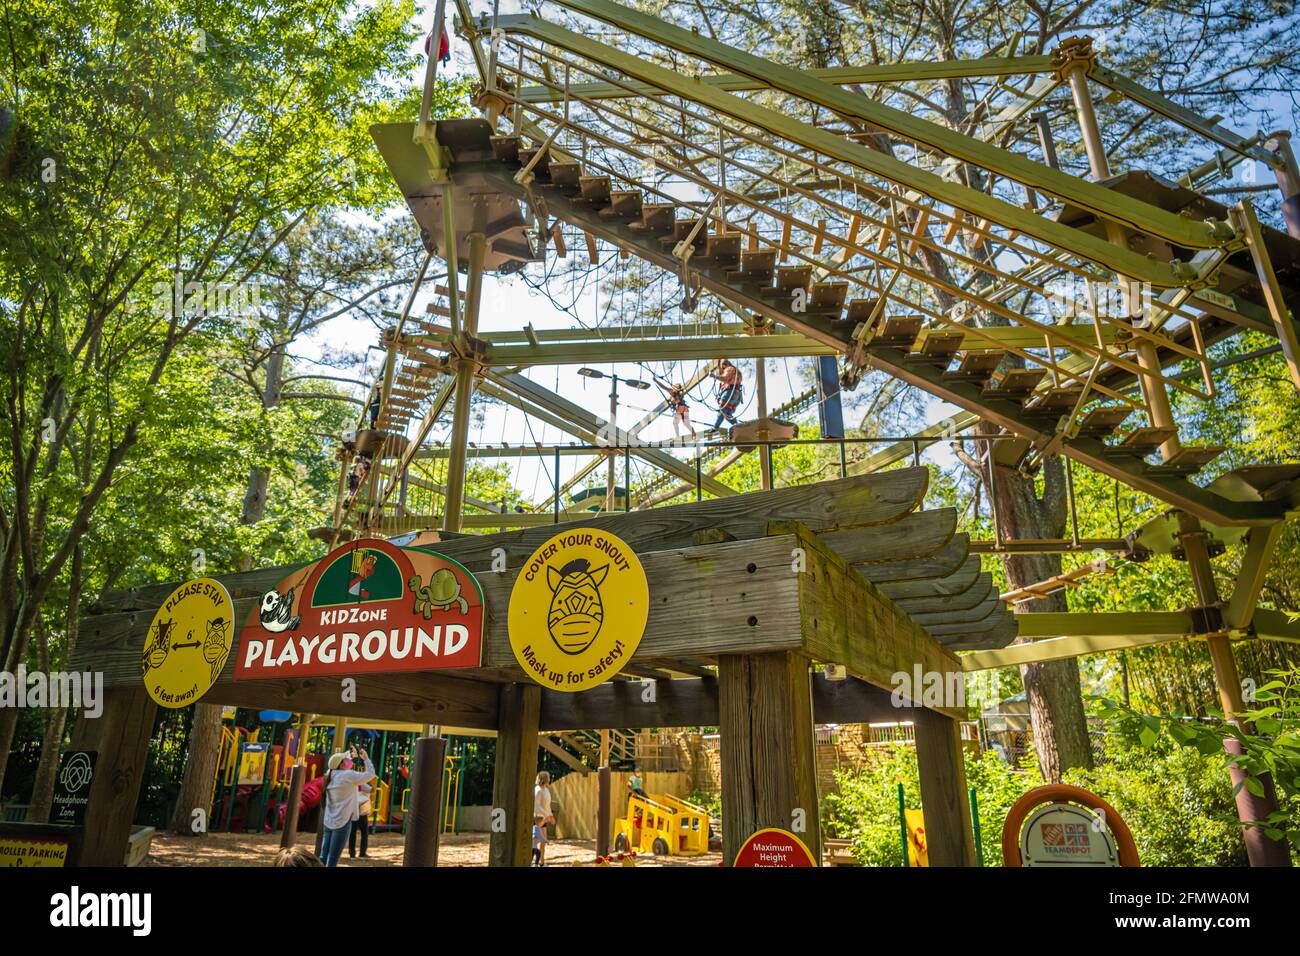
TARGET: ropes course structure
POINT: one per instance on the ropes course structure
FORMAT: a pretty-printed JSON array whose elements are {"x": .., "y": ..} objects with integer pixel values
[{"x": 1058, "y": 312}]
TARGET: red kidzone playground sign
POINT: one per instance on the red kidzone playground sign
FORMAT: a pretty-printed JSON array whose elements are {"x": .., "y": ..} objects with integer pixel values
[
  {"x": 774, "y": 847},
  {"x": 369, "y": 607}
]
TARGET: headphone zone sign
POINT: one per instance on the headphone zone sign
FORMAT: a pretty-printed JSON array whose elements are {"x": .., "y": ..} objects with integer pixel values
[
  {"x": 578, "y": 609},
  {"x": 369, "y": 607}
]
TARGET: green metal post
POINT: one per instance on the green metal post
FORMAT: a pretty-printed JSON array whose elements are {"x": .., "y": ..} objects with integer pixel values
[
  {"x": 902, "y": 825},
  {"x": 556, "y": 502},
  {"x": 975, "y": 824}
]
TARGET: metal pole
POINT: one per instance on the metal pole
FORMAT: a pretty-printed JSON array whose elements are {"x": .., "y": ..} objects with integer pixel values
[
  {"x": 1260, "y": 850},
  {"x": 297, "y": 777},
  {"x": 602, "y": 811},
  {"x": 699, "y": 475},
  {"x": 902, "y": 825},
  {"x": 431, "y": 70},
  {"x": 844, "y": 461},
  {"x": 613, "y": 441},
  {"x": 1288, "y": 179},
  {"x": 1159, "y": 411},
  {"x": 556, "y": 502},
  {"x": 975, "y": 828},
  {"x": 764, "y": 450},
  {"x": 420, "y": 847},
  {"x": 627, "y": 478},
  {"x": 454, "y": 498}
]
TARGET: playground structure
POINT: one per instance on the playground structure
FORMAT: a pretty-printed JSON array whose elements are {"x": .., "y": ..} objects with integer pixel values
[
  {"x": 1057, "y": 312},
  {"x": 252, "y": 782},
  {"x": 663, "y": 825}
]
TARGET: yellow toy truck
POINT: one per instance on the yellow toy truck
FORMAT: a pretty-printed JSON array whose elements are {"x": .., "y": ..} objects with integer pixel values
[{"x": 662, "y": 825}]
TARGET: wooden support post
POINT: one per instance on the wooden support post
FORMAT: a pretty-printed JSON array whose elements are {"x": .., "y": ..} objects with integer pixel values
[
  {"x": 943, "y": 789},
  {"x": 120, "y": 736},
  {"x": 769, "y": 771},
  {"x": 602, "y": 811},
  {"x": 424, "y": 810},
  {"x": 514, "y": 776},
  {"x": 297, "y": 777}
]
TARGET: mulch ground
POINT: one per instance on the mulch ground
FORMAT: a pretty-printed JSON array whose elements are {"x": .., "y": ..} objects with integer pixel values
[{"x": 454, "y": 849}]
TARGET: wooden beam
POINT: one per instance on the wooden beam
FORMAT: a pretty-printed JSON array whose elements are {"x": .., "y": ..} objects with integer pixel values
[
  {"x": 120, "y": 737},
  {"x": 959, "y": 581},
  {"x": 845, "y": 620},
  {"x": 918, "y": 535},
  {"x": 769, "y": 767},
  {"x": 562, "y": 755},
  {"x": 943, "y": 789},
  {"x": 694, "y": 703},
  {"x": 515, "y": 773},
  {"x": 944, "y": 562},
  {"x": 975, "y": 594}
]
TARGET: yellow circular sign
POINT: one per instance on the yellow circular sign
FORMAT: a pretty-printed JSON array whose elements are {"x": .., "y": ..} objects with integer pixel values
[
  {"x": 188, "y": 642},
  {"x": 578, "y": 609}
]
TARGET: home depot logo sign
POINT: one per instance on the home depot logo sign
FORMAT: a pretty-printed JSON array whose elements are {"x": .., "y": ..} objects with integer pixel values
[{"x": 368, "y": 607}]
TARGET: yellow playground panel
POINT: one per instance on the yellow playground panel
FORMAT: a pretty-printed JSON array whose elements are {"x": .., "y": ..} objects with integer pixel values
[{"x": 662, "y": 825}]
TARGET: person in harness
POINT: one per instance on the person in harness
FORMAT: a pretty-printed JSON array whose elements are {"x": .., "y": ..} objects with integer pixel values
[
  {"x": 676, "y": 397},
  {"x": 444, "y": 47},
  {"x": 729, "y": 392}
]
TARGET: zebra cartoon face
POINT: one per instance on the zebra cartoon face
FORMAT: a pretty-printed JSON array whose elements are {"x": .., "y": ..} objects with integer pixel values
[{"x": 576, "y": 611}]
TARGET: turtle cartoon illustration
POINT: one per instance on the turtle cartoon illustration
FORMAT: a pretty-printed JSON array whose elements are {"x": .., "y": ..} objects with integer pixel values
[
  {"x": 576, "y": 611},
  {"x": 442, "y": 591},
  {"x": 156, "y": 648}
]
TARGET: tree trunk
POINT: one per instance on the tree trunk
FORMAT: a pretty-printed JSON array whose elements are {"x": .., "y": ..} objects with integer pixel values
[
  {"x": 200, "y": 769},
  {"x": 55, "y": 721},
  {"x": 205, "y": 733},
  {"x": 1056, "y": 713}
]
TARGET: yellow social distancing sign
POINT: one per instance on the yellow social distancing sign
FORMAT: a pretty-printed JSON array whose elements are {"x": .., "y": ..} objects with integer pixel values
[
  {"x": 578, "y": 609},
  {"x": 188, "y": 642}
]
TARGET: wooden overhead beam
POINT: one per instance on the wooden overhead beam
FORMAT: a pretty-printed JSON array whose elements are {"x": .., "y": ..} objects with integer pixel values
[
  {"x": 958, "y": 581},
  {"x": 691, "y": 702},
  {"x": 845, "y": 620}
]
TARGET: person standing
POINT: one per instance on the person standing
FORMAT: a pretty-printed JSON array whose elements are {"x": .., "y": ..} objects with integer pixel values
[
  {"x": 362, "y": 823},
  {"x": 342, "y": 783},
  {"x": 542, "y": 810},
  {"x": 728, "y": 377}
]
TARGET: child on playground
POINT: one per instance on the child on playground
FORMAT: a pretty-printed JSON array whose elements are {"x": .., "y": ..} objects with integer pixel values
[
  {"x": 539, "y": 841},
  {"x": 541, "y": 812},
  {"x": 676, "y": 396},
  {"x": 728, "y": 377}
]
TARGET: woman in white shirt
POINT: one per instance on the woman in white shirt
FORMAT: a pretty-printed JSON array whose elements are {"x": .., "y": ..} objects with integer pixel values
[{"x": 342, "y": 785}]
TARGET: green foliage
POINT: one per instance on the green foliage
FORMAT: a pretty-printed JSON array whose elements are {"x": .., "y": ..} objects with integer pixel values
[
  {"x": 1272, "y": 751},
  {"x": 1177, "y": 802},
  {"x": 864, "y": 807}
]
